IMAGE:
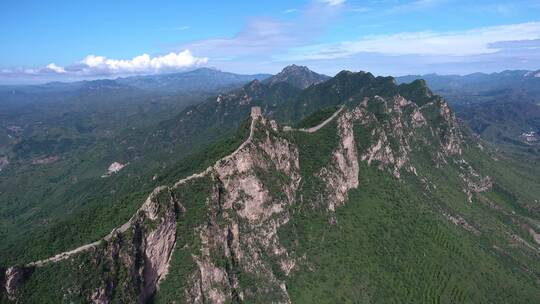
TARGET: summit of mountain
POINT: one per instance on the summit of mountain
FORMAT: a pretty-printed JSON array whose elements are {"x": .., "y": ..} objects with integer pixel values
[{"x": 298, "y": 76}]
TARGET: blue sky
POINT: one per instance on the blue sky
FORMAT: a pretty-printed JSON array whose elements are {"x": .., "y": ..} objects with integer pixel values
[{"x": 71, "y": 40}]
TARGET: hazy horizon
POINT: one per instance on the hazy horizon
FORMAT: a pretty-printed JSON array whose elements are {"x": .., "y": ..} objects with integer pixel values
[
  {"x": 115, "y": 77},
  {"x": 70, "y": 41}
]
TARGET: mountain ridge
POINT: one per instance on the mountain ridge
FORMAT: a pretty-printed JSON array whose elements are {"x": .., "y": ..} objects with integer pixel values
[
  {"x": 500, "y": 107},
  {"x": 208, "y": 79},
  {"x": 511, "y": 85},
  {"x": 298, "y": 76},
  {"x": 391, "y": 188}
]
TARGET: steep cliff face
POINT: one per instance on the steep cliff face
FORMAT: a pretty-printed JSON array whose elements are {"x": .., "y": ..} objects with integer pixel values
[
  {"x": 13, "y": 278},
  {"x": 341, "y": 174},
  {"x": 250, "y": 201},
  {"x": 129, "y": 261}
]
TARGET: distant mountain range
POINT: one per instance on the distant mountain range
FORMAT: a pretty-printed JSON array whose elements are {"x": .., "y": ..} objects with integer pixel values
[
  {"x": 199, "y": 80},
  {"x": 515, "y": 85},
  {"x": 500, "y": 107},
  {"x": 203, "y": 79}
]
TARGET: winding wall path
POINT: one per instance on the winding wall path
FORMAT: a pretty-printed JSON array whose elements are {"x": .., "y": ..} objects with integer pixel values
[
  {"x": 317, "y": 127},
  {"x": 125, "y": 226},
  {"x": 255, "y": 115}
]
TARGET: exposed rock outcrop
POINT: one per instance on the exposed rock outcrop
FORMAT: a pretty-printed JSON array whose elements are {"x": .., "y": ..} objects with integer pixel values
[
  {"x": 249, "y": 216},
  {"x": 393, "y": 133},
  {"x": 473, "y": 182},
  {"x": 3, "y": 162},
  {"x": 458, "y": 220},
  {"x": 13, "y": 278},
  {"x": 452, "y": 139},
  {"x": 140, "y": 248},
  {"x": 298, "y": 76},
  {"x": 342, "y": 173}
]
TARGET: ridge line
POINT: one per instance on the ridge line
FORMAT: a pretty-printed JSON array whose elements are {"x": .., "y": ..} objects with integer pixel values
[
  {"x": 317, "y": 127},
  {"x": 255, "y": 115},
  {"x": 67, "y": 254}
]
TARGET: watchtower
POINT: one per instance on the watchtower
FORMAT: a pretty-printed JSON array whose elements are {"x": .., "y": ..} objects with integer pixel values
[{"x": 256, "y": 112}]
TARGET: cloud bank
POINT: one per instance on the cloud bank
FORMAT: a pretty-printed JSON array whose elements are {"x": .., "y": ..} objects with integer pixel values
[
  {"x": 268, "y": 44},
  {"x": 330, "y": 35},
  {"x": 93, "y": 65},
  {"x": 140, "y": 64},
  {"x": 262, "y": 38},
  {"x": 332, "y": 2},
  {"x": 473, "y": 42}
]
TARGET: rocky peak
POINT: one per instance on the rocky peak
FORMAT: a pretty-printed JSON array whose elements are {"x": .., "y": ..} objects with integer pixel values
[
  {"x": 293, "y": 68},
  {"x": 298, "y": 76}
]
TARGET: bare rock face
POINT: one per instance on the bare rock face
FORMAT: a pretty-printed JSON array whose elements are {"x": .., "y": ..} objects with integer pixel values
[
  {"x": 458, "y": 220},
  {"x": 342, "y": 173},
  {"x": 13, "y": 279},
  {"x": 452, "y": 140},
  {"x": 473, "y": 182},
  {"x": 141, "y": 248},
  {"x": 244, "y": 232},
  {"x": 3, "y": 162},
  {"x": 158, "y": 242},
  {"x": 113, "y": 169},
  {"x": 392, "y": 128},
  {"x": 99, "y": 296},
  {"x": 418, "y": 120},
  {"x": 391, "y": 137}
]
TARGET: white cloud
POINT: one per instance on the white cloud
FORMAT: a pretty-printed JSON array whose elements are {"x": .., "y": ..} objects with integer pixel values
[
  {"x": 361, "y": 9},
  {"x": 332, "y": 2},
  {"x": 259, "y": 36},
  {"x": 464, "y": 43},
  {"x": 291, "y": 10},
  {"x": 178, "y": 28},
  {"x": 54, "y": 68},
  {"x": 262, "y": 37},
  {"x": 416, "y": 5},
  {"x": 93, "y": 65},
  {"x": 141, "y": 64}
]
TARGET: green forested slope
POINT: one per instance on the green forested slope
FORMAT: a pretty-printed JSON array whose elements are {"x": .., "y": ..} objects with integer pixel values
[{"x": 391, "y": 202}]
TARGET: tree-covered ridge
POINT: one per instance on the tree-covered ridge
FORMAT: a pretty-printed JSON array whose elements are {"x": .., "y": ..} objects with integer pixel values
[
  {"x": 476, "y": 88},
  {"x": 99, "y": 217},
  {"x": 58, "y": 139},
  {"x": 502, "y": 108},
  {"x": 390, "y": 201}
]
